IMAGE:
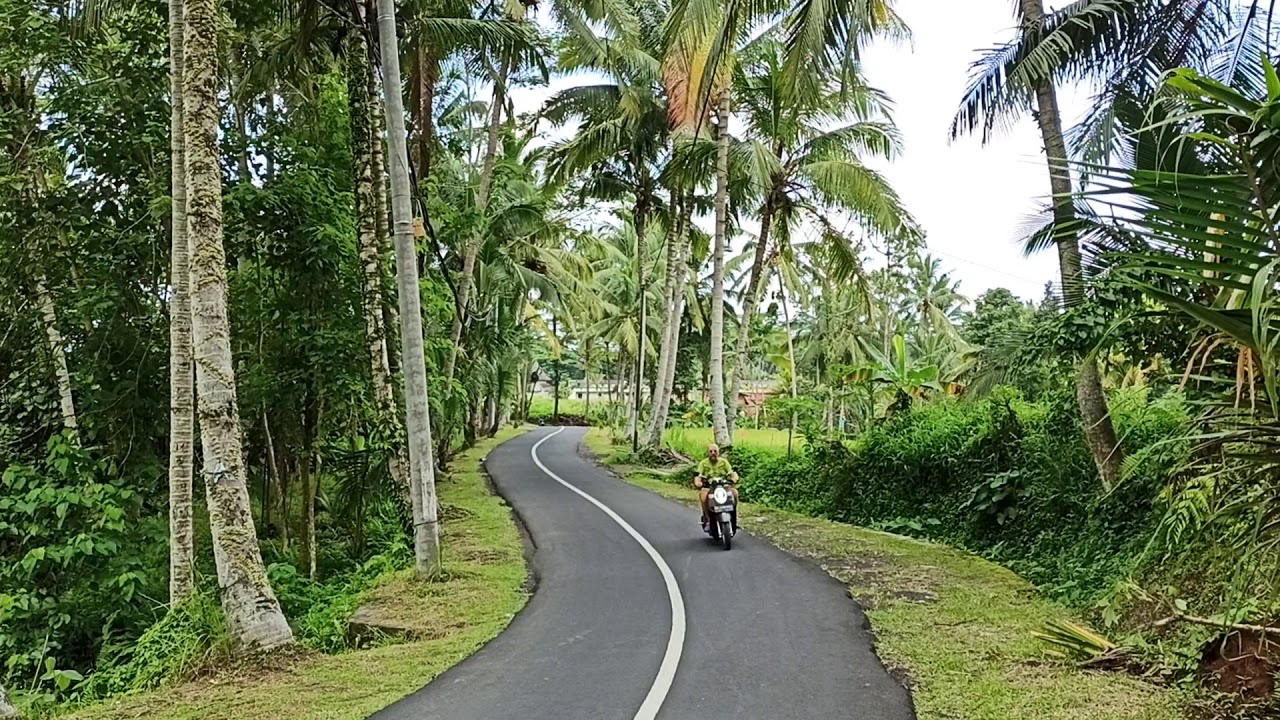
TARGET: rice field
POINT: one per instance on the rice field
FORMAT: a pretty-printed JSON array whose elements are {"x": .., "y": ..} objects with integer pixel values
[
  {"x": 694, "y": 441},
  {"x": 545, "y": 406}
]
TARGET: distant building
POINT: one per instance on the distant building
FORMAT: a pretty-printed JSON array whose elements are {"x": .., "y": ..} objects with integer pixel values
[
  {"x": 579, "y": 392},
  {"x": 753, "y": 395}
]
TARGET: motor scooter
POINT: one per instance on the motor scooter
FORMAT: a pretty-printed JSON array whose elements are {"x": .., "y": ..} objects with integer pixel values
[{"x": 722, "y": 507}]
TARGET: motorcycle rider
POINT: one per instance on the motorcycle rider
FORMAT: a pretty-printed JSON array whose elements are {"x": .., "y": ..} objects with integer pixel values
[{"x": 714, "y": 466}]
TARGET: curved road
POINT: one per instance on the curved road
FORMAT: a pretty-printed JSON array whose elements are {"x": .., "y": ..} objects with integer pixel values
[{"x": 637, "y": 615}]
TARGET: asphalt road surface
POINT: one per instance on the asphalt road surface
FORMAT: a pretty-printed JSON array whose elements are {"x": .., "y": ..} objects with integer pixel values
[{"x": 639, "y": 615}]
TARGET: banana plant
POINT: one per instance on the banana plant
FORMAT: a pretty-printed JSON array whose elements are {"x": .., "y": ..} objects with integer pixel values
[{"x": 909, "y": 379}]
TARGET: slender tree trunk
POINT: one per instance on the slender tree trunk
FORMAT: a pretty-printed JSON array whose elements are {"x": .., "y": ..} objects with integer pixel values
[
  {"x": 749, "y": 305},
  {"x": 504, "y": 414},
  {"x": 656, "y": 419},
  {"x": 421, "y": 464},
  {"x": 555, "y": 377},
  {"x": 639, "y": 220},
  {"x": 269, "y": 116},
  {"x": 7, "y": 710},
  {"x": 371, "y": 243},
  {"x": 244, "y": 174},
  {"x": 610, "y": 384},
  {"x": 275, "y": 496},
  {"x": 719, "y": 419},
  {"x": 58, "y": 356},
  {"x": 623, "y": 376},
  {"x": 181, "y": 412},
  {"x": 791, "y": 358},
  {"x": 282, "y": 474},
  {"x": 671, "y": 337},
  {"x": 428, "y": 76},
  {"x": 586, "y": 381},
  {"x": 491, "y": 416},
  {"x": 1099, "y": 430},
  {"x": 306, "y": 467},
  {"x": 641, "y": 333},
  {"x": 669, "y": 373},
  {"x": 472, "y": 250},
  {"x": 390, "y": 318},
  {"x": 306, "y": 545},
  {"x": 253, "y": 614}
]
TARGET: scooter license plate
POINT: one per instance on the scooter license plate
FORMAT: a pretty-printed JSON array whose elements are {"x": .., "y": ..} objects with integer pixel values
[{"x": 723, "y": 508}]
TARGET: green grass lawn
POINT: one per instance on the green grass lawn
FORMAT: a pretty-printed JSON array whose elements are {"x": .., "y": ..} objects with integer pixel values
[
  {"x": 480, "y": 591},
  {"x": 694, "y": 441},
  {"x": 959, "y": 627}
]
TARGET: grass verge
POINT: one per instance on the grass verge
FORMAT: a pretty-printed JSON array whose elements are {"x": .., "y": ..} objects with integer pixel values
[
  {"x": 480, "y": 591},
  {"x": 956, "y": 626}
]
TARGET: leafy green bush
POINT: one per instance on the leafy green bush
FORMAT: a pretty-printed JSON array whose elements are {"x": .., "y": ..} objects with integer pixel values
[
  {"x": 1009, "y": 479},
  {"x": 72, "y": 569},
  {"x": 1005, "y": 478}
]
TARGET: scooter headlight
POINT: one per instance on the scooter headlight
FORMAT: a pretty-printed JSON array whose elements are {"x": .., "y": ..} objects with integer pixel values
[{"x": 721, "y": 495}]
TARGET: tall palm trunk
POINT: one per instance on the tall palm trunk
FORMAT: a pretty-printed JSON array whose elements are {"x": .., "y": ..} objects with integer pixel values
[
  {"x": 677, "y": 250},
  {"x": 640, "y": 221},
  {"x": 181, "y": 414},
  {"x": 749, "y": 305},
  {"x": 252, "y": 611},
  {"x": 669, "y": 370},
  {"x": 586, "y": 380},
  {"x": 1099, "y": 431},
  {"x": 668, "y": 311},
  {"x": 371, "y": 244},
  {"x": 791, "y": 358},
  {"x": 719, "y": 421},
  {"x": 390, "y": 317},
  {"x": 427, "y": 68},
  {"x": 422, "y": 483},
  {"x": 472, "y": 251},
  {"x": 626, "y": 388},
  {"x": 7, "y": 710},
  {"x": 57, "y": 355}
]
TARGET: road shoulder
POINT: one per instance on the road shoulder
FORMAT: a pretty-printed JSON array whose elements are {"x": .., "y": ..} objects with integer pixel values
[{"x": 955, "y": 628}]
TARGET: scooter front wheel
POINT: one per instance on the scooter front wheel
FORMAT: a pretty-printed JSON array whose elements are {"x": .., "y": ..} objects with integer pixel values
[{"x": 726, "y": 534}]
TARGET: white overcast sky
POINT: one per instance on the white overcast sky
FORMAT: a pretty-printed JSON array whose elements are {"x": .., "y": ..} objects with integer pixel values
[{"x": 970, "y": 199}]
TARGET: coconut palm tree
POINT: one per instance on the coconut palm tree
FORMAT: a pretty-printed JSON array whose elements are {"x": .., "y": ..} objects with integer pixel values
[
  {"x": 806, "y": 168},
  {"x": 703, "y": 42},
  {"x": 252, "y": 611},
  {"x": 1099, "y": 429},
  {"x": 621, "y": 145},
  {"x": 1128, "y": 45}
]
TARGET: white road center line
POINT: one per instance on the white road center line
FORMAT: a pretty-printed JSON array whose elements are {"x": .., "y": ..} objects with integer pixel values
[{"x": 675, "y": 644}]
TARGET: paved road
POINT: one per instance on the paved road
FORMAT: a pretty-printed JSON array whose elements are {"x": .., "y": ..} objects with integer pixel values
[{"x": 637, "y": 615}]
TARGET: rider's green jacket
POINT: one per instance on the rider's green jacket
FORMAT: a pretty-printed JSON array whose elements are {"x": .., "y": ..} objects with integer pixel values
[{"x": 719, "y": 468}]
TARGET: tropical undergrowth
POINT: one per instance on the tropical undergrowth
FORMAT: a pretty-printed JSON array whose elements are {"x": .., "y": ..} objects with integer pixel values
[
  {"x": 79, "y": 614},
  {"x": 1012, "y": 480}
]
